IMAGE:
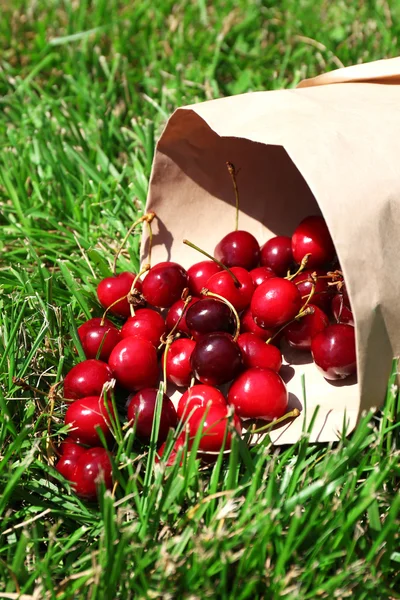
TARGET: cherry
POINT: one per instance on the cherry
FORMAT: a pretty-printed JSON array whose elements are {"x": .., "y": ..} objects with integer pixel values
[
  {"x": 147, "y": 324},
  {"x": 238, "y": 249},
  {"x": 248, "y": 325},
  {"x": 199, "y": 396},
  {"x": 178, "y": 445},
  {"x": 216, "y": 359},
  {"x": 70, "y": 451},
  {"x": 322, "y": 294},
  {"x": 91, "y": 468},
  {"x": 93, "y": 323},
  {"x": 275, "y": 302},
  {"x": 111, "y": 289},
  {"x": 93, "y": 335},
  {"x": 223, "y": 284},
  {"x": 164, "y": 284},
  {"x": 259, "y": 394},
  {"x": 133, "y": 363},
  {"x": 86, "y": 379},
  {"x": 200, "y": 273},
  {"x": 69, "y": 447},
  {"x": 312, "y": 236},
  {"x": 341, "y": 309},
  {"x": 85, "y": 416},
  {"x": 175, "y": 313},
  {"x": 141, "y": 413},
  {"x": 300, "y": 332},
  {"x": 209, "y": 315},
  {"x": 261, "y": 274},
  {"x": 277, "y": 254},
  {"x": 257, "y": 353},
  {"x": 179, "y": 369},
  {"x": 214, "y": 428},
  {"x": 334, "y": 351}
]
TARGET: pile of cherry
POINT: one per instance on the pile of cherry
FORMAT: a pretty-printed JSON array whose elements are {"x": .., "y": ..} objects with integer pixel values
[{"x": 214, "y": 332}]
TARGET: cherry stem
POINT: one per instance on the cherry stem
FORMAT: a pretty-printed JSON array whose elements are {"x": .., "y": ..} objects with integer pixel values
[
  {"x": 290, "y": 415},
  {"x": 310, "y": 295},
  {"x": 301, "y": 268},
  {"x": 148, "y": 217},
  {"x": 206, "y": 292},
  {"x": 130, "y": 295},
  {"x": 219, "y": 263},
  {"x": 105, "y": 313},
  {"x": 303, "y": 312},
  {"x": 232, "y": 173},
  {"x": 167, "y": 347},
  {"x": 188, "y": 300}
]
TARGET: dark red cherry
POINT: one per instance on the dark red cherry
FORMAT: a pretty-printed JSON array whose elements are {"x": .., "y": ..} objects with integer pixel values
[
  {"x": 111, "y": 289},
  {"x": 69, "y": 447},
  {"x": 257, "y": 353},
  {"x": 275, "y": 302},
  {"x": 176, "y": 449},
  {"x": 238, "y": 249},
  {"x": 323, "y": 292},
  {"x": 147, "y": 324},
  {"x": 199, "y": 396},
  {"x": 277, "y": 254},
  {"x": 300, "y": 332},
  {"x": 164, "y": 284},
  {"x": 259, "y": 394},
  {"x": 85, "y": 416},
  {"x": 70, "y": 451},
  {"x": 216, "y": 432},
  {"x": 248, "y": 325},
  {"x": 261, "y": 274},
  {"x": 334, "y": 351},
  {"x": 312, "y": 236},
  {"x": 341, "y": 310},
  {"x": 86, "y": 379},
  {"x": 223, "y": 284},
  {"x": 179, "y": 369},
  {"x": 141, "y": 414},
  {"x": 100, "y": 339},
  {"x": 200, "y": 273},
  {"x": 209, "y": 315},
  {"x": 216, "y": 359},
  {"x": 93, "y": 467},
  {"x": 174, "y": 314},
  {"x": 133, "y": 363}
]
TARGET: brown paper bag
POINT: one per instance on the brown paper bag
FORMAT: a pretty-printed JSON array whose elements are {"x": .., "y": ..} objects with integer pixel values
[{"x": 322, "y": 148}]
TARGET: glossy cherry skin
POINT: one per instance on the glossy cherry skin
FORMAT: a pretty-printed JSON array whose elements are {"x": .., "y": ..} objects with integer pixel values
[
  {"x": 147, "y": 324},
  {"x": 69, "y": 447},
  {"x": 93, "y": 323},
  {"x": 216, "y": 359},
  {"x": 259, "y": 394},
  {"x": 85, "y": 416},
  {"x": 238, "y": 249},
  {"x": 275, "y": 302},
  {"x": 179, "y": 368},
  {"x": 70, "y": 451},
  {"x": 257, "y": 353},
  {"x": 214, "y": 428},
  {"x": 341, "y": 310},
  {"x": 223, "y": 284},
  {"x": 312, "y": 236},
  {"x": 334, "y": 351},
  {"x": 164, "y": 284},
  {"x": 86, "y": 379},
  {"x": 261, "y": 274},
  {"x": 133, "y": 363},
  {"x": 248, "y": 325},
  {"x": 322, "y": 294},
  {"x": 299, "y": 334},
  {"x": 209, "y": 315},
  {"x": 277, "y": 255},
  {"x": 141, "y": 414},
  {"x": 200, "y": 273},
  {"x": 174, "y": 314},
  {"x": 111, "y": 289},
  {"x": 99, "y": 336},
  {"x": 92, "y": 467},
  {"x": 199, "y": 396}
]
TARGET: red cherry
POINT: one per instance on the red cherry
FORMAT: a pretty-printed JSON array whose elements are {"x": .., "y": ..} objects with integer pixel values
[
  {"x": 209, "y": 315},
  {"x": 261, "y": 274},
  {"x": 174, "y": 314},
  {"x": 238, "y": 249},
  {"x": 199, "y": 396},
  {"x": 216, "y": 359},
  {"x": 341, "y": 310},
  {"x": 277, "y": 254},
  {"x": 179, "y": 369},
  {"x": 111, "y": 289},
  {"x": 334, "y": 351},
  {"x": 323, "y": 292},
  {"x": 164, "y": 284},
  {"x": 275, "y": 302},
  {"x": 67, "y": 463},
  {"x": 92, "y": 467},
  {"x": 86, "y": 379},
  {"x": 100, "y": 336},
  {"x": 179, "y": 443},
  {"x": 259, "y": 394},
  {"x": 257, "y": 353},
  {"x": 300, "y": 333},
  {"x": 223, "y": 284},
  {"x": 199, "y": 274},
  {"x": 69, "y": 447},
  {"x": 147, "y": 324},
  {"x": 134, "y": 364},
  {"x": 85, "y": 416},
  {"x": 312, "y": 236},
  {"x": 93, "y": 323},
  {"x": 141, "y": 413},
  {"x": 248, "y": 325},
  {"x": 214, "y": 428}
]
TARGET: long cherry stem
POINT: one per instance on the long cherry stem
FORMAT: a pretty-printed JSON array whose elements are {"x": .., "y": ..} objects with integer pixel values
[
  {"x": 218, "y": 262},
  {"x": 130, "y": 295},
  {"x": 301, "y": 268},
  {"x": 290, "y": 415},
  {"x": 148, "y": 217},
  {"x": 232, "y": 173},
  {"x": 303, "y": 312},
  {"x": 206, "y": 292}
]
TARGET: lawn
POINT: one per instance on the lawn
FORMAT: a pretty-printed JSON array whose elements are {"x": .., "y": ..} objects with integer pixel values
[{"x": 85, "y": 90}]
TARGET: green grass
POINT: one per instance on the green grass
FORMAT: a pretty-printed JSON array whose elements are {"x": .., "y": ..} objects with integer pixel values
[{"x": 85, "y": 89}]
